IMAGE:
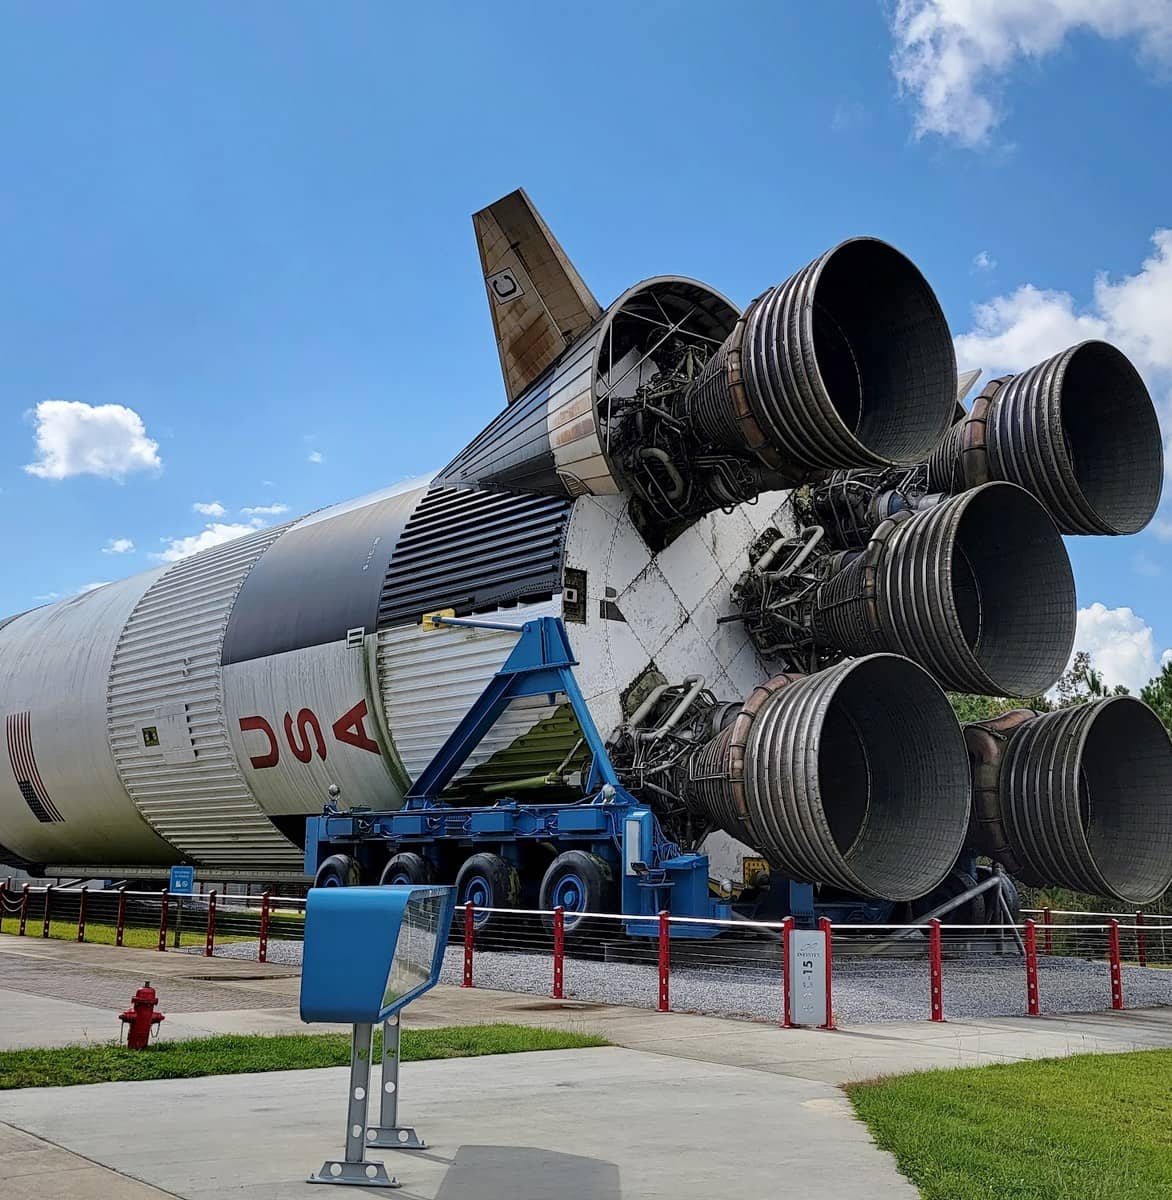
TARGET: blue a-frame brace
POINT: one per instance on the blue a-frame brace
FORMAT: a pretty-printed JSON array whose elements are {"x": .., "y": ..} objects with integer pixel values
[
  {"x": 652, "y": 871},
  {"x": 540, "y": 664}
]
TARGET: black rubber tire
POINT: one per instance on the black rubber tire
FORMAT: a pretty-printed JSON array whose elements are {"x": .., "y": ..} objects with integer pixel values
[
  {"x": 339, "y": 870},
  {"x": 972, "y": 912},
  {"x": 410, "y": 867},
  {"x": 596, "y": 889},
  {"x": 993, "y": 913},
  {"x": 490, "y": 882}
]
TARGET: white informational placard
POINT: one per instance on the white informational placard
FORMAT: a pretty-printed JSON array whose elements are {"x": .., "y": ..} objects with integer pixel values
[{"x": 807, "y": 980}]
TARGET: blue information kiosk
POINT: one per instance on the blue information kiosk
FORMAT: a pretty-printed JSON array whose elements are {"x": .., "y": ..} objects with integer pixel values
[{"x": 369, "y": 951}]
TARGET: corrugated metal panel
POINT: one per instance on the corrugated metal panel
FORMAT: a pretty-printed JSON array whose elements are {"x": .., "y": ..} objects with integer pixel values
[
  {"x": 470, "y": 550},
  {"x": 8, "y": 620},
  {"x": 429, "y": 680},
  {"x": 166, "y": 680},
  {"x": 513, "y": 452}
]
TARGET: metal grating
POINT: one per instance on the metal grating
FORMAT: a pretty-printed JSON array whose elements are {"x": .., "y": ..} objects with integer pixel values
[
  {"x": 471, "y": 550},
  {"x": 168, "y": 661}
]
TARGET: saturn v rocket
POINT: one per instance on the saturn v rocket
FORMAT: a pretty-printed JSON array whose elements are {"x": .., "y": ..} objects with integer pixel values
[{"x": 784, "y": 516}]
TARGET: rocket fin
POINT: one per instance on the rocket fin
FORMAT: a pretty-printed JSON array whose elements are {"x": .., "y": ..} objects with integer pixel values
[{"x": 539, "y": 302}]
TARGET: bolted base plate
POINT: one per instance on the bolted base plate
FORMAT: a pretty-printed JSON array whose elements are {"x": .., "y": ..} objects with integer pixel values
[
  {"x": 356, "y": 1173},
  {"x": 394, "y": 1137}
]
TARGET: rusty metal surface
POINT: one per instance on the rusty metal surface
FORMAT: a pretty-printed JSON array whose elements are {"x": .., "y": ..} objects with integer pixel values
[{"x": 538, "y": 301}]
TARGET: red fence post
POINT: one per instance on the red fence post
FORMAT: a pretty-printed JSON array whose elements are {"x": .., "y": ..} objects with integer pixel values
[
  {"x": 81, "y": 915},
  {"x": 163, "y": 920},
  {"x": 469, "y": 940},
  {"x": 23, "y": 908},
  {"x": 121, "y": 925},
  {"x": 787, "y": 927},
  {"x": 664, "y": 962},
  {"x": 48, "y": 912},
  {"x": 936, "y": 969},
  {"x": 824, "y": 925},
  {"x": 1033, "y": 1006},
  {"x": 559, "y": 950},
  {"x": 1116, "y": 970},
  {"x": 262, "y": 954},
  {"x": 209, "y": 947},
  {"x": 1048, "y": 922},
  {"x": 1141, "y": 941}
]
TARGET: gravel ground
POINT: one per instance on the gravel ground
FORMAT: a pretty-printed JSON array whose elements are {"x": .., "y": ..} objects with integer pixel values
[{"x": 865, "y": 991}]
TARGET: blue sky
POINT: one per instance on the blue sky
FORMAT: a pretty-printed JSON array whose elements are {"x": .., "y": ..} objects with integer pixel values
[{"x": 249, "y": 226}]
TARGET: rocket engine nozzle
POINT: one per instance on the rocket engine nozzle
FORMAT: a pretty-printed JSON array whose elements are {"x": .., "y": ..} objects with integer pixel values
[
  {"x": 855, "y": 776},
  {"x": 1078, "y": 430},
  {"x": 1079, "y": 798},
  {"x": 978, "y": 590},
  {"x": 848, "y": 363}
]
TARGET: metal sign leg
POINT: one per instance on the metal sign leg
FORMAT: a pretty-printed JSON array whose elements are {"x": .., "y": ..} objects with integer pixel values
[
  {"x": 388, "y": 1133},
  {"x": 354, "y": 1169}
]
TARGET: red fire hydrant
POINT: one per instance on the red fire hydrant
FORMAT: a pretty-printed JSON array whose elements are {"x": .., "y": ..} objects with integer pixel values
[{"x": 140, "y": 1018}]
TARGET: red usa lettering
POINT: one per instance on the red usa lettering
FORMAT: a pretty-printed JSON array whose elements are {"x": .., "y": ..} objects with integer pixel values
[{"x": 304, "y": 737}]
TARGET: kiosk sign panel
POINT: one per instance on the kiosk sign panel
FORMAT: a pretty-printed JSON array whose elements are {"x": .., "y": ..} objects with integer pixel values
[
  {"x": 807, "y": 983},
  {"x": 182, "y": 882},
  {"x": 368, "y": 951}
]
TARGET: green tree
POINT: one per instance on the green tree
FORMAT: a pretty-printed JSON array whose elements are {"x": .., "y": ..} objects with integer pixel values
[
  {"x": 970, "y": 708},
  {"x": 1158, "y": 694}
]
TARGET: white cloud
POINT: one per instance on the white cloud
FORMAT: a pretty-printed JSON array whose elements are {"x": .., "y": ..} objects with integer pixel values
[
  {"x": 210, "y": 508},
  {"x": 953, "y": 56},
  {"x": 984, "y": 261},
  {"x": 118, "y": 546},
  {"x": 89, "y": 587},
  {"x": 316, "y": 456},
  {"x": 266, "y": 510},
  {"x": 108, "y": 440},
  {"x": 1121, "y": 645},
  {"x": 213, "y": 535}
]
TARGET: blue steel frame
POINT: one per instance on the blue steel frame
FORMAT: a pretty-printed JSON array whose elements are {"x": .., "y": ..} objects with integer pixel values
[{"x": 655, "y": 875}]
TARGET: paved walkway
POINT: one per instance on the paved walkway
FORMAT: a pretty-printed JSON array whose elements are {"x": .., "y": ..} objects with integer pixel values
[{"x": 680, "y": 1106}]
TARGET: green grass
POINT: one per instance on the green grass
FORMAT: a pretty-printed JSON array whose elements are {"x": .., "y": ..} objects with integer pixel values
[
  {"x": 146, "y": 937},
  {"x": 141, "y": 937},
  {"x": 1091, "y": 1127},
  {"x": 244, "y": 1054}
]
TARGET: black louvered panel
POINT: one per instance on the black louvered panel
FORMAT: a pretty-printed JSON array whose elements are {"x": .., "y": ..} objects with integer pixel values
[
  {"x": 18, "y": 728},
  {"x": 471, "y": 550}
]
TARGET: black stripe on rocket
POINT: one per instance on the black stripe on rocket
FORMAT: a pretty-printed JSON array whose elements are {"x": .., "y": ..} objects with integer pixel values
[
  {"x": 318, "y": 581},
  {"x": 18, "y": 727}
]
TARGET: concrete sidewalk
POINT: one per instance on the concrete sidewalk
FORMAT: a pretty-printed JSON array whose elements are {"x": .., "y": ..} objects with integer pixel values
[
  {"x": 204, "y": 997},
  {"x": 680, "y": 1106},
  {"x": 590, "y": 1124}
]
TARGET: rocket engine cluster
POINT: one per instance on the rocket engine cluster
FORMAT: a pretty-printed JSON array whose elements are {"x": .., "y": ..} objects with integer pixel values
[{"x": 776, "y": 538}]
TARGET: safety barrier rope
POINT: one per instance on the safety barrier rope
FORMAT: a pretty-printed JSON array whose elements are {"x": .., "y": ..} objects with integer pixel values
[{"x": 549, "y": 952}]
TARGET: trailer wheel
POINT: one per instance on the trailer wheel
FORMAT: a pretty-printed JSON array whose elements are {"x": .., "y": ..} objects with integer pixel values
[
  {"x": 955, "y": 883},
  {"x": 339, "y": 870},
  {"x": 488, "y": 881},
  {"x": 406, "y": 868},
  {"x": 578, "y": 882}
]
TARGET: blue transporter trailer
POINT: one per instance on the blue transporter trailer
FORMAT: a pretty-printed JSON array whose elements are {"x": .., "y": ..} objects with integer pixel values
[{"x": 611, "y": 855}]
